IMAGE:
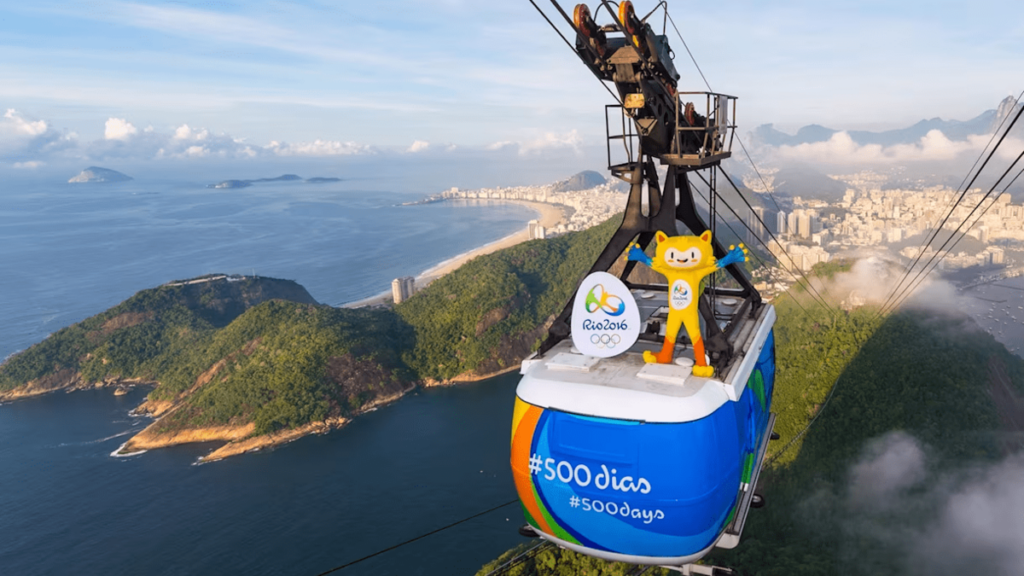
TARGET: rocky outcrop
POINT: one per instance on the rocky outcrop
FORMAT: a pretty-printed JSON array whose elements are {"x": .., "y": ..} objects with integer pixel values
[
  {"x": 153, "y": 437},
  {"x": 257, "y": 443}
]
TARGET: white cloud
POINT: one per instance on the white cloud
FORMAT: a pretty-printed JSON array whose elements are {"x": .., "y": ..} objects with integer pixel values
[
  {"x": 981, "y": 525},
  {"x": 26, "y": 141},
  {"x": 29, "y": 143},
  {"x": 932, "y": 147},
  {"x": 18, "y": 125},
  {"x": 501, "y": 145},
  {"x": 891, "y": 465},
  {"x": 317, "y": 148},
  {"x": 548, "y": 141},
  {"x": 119, "y": 129},
  {"x": 418, "y": 146},
  {"x": 552, "y": 141}
]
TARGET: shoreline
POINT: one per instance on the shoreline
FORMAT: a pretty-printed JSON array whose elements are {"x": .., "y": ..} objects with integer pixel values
[
  {"x": 238, "y": 439},
  {"x": 550, "y": 215}
]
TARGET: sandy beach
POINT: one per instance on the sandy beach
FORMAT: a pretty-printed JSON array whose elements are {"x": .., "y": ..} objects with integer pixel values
[{"x": 551, "y": 215}]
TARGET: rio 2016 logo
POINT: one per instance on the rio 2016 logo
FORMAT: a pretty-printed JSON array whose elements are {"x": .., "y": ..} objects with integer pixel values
[
  {"x": 605, "y": 317},
  {"x": 681, "y": 296},
  {"x": 600, "y": 299}
]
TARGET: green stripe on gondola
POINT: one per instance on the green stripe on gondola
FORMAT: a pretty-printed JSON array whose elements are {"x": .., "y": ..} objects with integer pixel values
[
  {"x": 732, "y": 513},
  {"x": 529, "y": 517},
  {"x": 756, "y": 383},
  {"x": 748, "y": 468},
  {"x": 559, "y": 531}
]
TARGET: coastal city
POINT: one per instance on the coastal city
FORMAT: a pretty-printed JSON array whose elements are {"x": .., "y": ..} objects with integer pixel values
[
  {"x": 815, "y": 230},
  {"x": 582, "y": 208},
  {"x": 872, "y": 216}
]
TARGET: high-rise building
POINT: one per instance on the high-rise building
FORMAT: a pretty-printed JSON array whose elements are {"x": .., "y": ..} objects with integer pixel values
[
  {"x": 537, "y": 231},
  {"x": 402, "y": 288},
  {"x": 780, "y": 223},
  {"x": 803, "y": 225},
  {"x": 755, "y": 226},
  {"x": 997, "y": 255}
]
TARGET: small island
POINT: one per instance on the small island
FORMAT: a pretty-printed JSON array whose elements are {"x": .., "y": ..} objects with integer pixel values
[
  {"x": 232, "y": 184},
  {"x": 95, "y": 174}
]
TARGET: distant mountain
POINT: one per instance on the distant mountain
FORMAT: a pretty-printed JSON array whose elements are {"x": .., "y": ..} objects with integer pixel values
[
  {"x": 984, "y": 123},
  {"x": 806, "y": 182},
  {"x": 583, "y": 181},
  {"x": 97, "y": 174},
  {"x": 321, "y": 180}
]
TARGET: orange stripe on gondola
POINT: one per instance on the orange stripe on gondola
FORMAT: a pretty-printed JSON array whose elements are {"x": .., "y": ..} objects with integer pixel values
[{"x": 521, "y": 442}]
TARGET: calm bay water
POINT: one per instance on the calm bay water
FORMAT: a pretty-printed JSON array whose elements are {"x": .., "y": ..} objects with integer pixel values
[
  {"x": 999, "y": 309},
  {"x": 67, "y": 506}
]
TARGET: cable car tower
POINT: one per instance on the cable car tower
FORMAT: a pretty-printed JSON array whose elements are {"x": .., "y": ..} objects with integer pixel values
[{"x": 613, "y": 456}]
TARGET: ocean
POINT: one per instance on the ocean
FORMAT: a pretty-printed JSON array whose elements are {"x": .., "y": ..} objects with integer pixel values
[
  {"x": 70, "y": 251},
  {"x": 998, "y": 307},
  {"x": 67, "y": 506}
]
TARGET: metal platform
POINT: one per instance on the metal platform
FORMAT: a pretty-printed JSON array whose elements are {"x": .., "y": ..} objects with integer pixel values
[{"x": 693, "y": 159}]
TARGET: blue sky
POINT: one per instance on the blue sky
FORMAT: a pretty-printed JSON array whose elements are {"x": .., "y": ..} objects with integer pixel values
[{"x": 384, "y": 74}]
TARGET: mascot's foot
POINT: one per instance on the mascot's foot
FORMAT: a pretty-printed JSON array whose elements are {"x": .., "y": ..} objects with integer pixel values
[
  {"x": 659, "y": 358},
  {"x": 703, "y": 371}
]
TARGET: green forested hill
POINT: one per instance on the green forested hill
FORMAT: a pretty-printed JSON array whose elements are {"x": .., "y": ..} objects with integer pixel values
[
  {"x": 258, "y": 350},
  {"x": 143, "y": 336},
  {"x": 490, "y": 313}
]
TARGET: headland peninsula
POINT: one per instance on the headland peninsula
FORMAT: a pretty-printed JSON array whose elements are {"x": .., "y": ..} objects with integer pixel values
[{"x": 255, "y": 362}]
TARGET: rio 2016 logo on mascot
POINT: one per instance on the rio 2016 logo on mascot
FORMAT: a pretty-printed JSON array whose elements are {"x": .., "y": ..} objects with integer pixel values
[
  {"x": 605, "y": 318},
  {"x": 685, "y": 261}
]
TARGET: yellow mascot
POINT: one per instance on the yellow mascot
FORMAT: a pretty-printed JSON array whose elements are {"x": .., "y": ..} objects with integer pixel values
[{"x": 685, "y": 261}]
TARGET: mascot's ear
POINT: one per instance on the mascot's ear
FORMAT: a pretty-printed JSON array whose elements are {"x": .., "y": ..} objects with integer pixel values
[
  {"x": 660, "y": 236},
  {"x": 706, "y": 237}
]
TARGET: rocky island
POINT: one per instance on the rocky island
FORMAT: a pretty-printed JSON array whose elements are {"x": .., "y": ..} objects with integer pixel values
[{"x": 96, "y": 174}]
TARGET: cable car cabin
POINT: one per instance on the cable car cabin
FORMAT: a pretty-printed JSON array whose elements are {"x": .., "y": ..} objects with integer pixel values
[
  {"x": 642, "y": 462},
  {"x": 630, "y": 442}
]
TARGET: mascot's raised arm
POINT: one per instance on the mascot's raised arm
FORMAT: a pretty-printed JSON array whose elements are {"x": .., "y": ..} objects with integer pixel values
[{"x": 685, "y": 261}]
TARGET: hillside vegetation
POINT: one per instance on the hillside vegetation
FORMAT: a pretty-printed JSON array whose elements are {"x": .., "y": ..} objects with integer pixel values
[{"x": 258, "y": 351}]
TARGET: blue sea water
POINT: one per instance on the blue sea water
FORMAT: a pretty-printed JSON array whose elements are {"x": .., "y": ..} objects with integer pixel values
[
  {"x": 68, "y": 507},
  {"x": 998, "y": 307},
  {"x": 70, "y": 251}
]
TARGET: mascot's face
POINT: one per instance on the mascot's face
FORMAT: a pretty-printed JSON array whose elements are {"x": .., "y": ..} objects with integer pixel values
[{"x": 684, "y": 251}]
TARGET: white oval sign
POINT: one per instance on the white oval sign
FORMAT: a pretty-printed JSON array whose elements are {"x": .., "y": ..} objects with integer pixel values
[{"x": 605, "y": 318}]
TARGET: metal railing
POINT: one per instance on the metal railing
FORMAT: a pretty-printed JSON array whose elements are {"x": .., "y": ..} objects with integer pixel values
[
  {"x": 697, "y": 145},
  {"x": 717, "y": 133},
  {"x": 627, "y": 134}
]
